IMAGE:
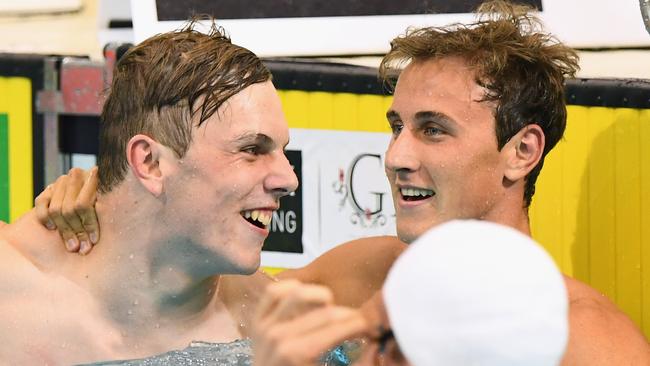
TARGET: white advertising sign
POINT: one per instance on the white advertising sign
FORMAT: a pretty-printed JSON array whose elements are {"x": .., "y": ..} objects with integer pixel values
[
  {"x": 303, "y": 31},
  {"x": 345, "y": 193}
]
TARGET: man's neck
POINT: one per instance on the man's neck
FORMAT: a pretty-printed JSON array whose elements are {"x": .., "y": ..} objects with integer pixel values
[
  {"x": 510, "y": 212},
  {"x": 143, "y": 293}
]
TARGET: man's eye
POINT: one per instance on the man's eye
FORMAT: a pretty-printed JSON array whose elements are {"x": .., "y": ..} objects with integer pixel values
[
  {"x": 253, "y": 150},
  {"x": 432, "y": 131}
]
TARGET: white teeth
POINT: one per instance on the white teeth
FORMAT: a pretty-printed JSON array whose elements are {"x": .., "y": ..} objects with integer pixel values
[
  {"x": 265, "y": 219},
  {"x": 414, "y": 192},
  {"x": 263, "y": 216}
]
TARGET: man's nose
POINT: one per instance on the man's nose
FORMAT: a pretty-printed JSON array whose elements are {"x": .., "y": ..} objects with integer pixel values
[
  {"x": 282, "y": 180},
  {"x": 401, "y": 154}
]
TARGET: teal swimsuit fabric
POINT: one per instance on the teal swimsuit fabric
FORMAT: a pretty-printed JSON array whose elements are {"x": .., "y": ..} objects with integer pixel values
[{"x": 237, "y": 353}]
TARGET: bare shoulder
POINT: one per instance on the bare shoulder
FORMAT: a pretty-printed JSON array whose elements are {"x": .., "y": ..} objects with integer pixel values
[
  {"x": 20, "y": 279},
  {"x": 42, "y": 247},
  {"x": 600, "y": 333},
  {"x": 36, "y": 324},
  {"x": 354, "y": 270},
  {"x": 14, "y": 266},
  {"x": 18, "y": 284}
]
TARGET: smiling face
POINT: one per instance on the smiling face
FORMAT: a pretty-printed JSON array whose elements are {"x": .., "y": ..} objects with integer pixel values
[
  {"x": 223, "y": 192},
  {"x": 442, "y": 162}
]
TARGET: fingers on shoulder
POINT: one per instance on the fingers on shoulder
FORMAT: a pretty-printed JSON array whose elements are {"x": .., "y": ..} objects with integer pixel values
[{"x": 41, "y": 207}]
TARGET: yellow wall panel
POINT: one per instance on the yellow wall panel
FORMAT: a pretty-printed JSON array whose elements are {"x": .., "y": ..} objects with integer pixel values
[
  {"x": 577, "y": 146},
  {"x": 296, "y": 107},
  {"x": 601, "y": 202},
  {"x": 335, "y": 111},
  {"x": 592, "y": 206},
  {"x": 346, "y": 111},
  {"x": 373, "y": 117},
  {"x": 644, "y": 137},
  {"x": 16, "y": 102},
  {"x": 627, "y": 226},
  {"x": 320, "y": 110}
]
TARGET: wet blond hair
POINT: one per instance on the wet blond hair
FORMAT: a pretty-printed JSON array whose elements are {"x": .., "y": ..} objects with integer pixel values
[{"x": 163, "y": 84}]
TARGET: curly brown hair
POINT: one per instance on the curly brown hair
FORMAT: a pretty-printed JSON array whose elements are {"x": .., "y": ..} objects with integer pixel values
[
  {"x": 163, "y": 84},
  {"x": 522, "y": 68}
]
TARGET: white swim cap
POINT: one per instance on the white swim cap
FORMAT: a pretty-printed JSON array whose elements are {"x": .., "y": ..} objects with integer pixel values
[{"x": 477, "y": 293}]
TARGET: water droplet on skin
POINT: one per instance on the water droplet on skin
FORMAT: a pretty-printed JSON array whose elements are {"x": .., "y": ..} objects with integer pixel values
[
  {"x": 131, "y": 256},
  {"x": 141, "y": 271},
  {"x": 130, "y": 312},
  {"x": 136, "y": 302}
]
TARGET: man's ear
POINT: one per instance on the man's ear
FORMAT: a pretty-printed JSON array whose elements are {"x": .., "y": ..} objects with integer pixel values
[
  {"x": 143, "y": 154},
  {"x": 523, "y": 152}
]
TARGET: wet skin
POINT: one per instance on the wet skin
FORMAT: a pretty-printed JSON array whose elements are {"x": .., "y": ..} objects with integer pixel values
[
  {"x": 443, "y": 142},
  {"x": 235, "y": 166}
]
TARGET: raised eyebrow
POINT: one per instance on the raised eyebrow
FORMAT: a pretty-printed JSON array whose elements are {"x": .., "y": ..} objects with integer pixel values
[
  {"x": 258, "y": 138},
  {"x": 429, "y": 116}
]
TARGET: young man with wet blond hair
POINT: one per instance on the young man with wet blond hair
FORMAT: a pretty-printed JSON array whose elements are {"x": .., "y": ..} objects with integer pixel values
[{"x": 192, "y": 142}]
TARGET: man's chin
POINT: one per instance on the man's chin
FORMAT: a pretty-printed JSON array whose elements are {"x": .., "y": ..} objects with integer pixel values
[
  {"x": 249, "y": 267},
  {"x": 407, "y": 236},
  {"x": 410, "y": 233}
]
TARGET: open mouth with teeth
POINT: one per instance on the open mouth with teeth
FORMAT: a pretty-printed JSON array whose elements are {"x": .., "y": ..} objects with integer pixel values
[
  {"x": 259, "y": 218},
  {"x": 416, "y": 194}
]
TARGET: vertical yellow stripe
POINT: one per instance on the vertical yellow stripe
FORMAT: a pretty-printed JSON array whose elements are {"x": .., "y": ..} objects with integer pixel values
[
  {"x": 575, "y": 197},
  {"x": 320, "y": 110},
  {"x": 373, "y": 116},
  {"x": 295, "y": 106},
  {"x": 346, "y": 111},
  {"x": 628, "y": 212},
  {"x": 16, "y": 101},
  {"x": 602, "y": 201},
  {"x": 645, "y": 219}
]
